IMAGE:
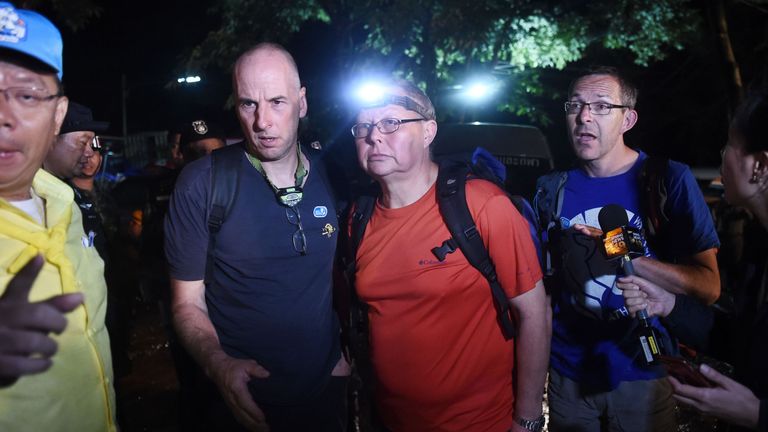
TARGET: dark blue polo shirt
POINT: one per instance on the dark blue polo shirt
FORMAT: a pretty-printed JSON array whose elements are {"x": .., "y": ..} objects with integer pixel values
[{"x": 268, "y": 302}]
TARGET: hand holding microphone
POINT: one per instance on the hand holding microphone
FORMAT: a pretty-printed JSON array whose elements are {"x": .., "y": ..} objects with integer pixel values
[
  {"x": 621, "y": 241},
  {"x": 642, "y": 294}
]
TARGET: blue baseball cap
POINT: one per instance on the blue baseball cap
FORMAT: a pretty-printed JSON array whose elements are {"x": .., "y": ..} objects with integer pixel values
[{"x": 31, "y": 34}]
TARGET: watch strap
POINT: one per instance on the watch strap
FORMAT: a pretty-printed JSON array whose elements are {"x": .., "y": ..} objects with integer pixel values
[{"x": 531, "y": 425}]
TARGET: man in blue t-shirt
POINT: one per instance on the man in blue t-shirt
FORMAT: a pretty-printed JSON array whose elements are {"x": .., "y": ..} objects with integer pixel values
[
  {"x": 598, "y": 375},
  {"x": 262, "y": 327}
]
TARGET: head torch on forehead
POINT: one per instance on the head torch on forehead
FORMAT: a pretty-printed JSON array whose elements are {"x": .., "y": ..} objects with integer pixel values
[{"x": 403, "y": 101}]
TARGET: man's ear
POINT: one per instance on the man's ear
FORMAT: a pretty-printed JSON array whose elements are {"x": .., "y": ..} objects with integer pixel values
[
  {"x": 62, "y": 104},
  {"x": 430, "y": 131},
  {"x": 630, "y": 119},
  {"x": 302, "y": 102}
]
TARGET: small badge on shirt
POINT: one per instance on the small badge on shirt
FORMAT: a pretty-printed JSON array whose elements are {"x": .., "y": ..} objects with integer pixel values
[
  {"x": 320, "y": 211},
  {"x": 88, "y": 240},
  {"x": 328, "y": 230}
]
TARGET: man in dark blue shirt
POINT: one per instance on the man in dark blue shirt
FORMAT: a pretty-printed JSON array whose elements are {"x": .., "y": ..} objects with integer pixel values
[{"x": 262, "y": 328}]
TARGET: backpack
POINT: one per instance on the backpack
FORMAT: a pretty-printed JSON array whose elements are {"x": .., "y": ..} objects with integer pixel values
[
  {"x": 450, "y": 188},
  {"x": 225, "y": 179},
  {"x": 548, "y": 203}
]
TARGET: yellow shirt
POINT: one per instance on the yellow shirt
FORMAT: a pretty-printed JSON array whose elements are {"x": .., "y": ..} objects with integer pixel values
[{"x": 76, "y": 393}]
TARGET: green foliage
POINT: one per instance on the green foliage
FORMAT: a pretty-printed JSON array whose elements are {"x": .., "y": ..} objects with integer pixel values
[
  {"x": 75, "y": 14},
  {"x": 245, "y": 22},
  {"x": 649, "y": 28},
  {"x": 443, "y": 42}
]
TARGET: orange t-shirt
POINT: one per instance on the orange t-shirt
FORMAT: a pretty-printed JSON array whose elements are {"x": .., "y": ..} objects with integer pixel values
[{"x": 440, "y": 358}]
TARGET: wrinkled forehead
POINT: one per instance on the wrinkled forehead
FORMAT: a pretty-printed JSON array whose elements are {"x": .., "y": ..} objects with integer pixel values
[
  {"x": 267, "y": 66},
  {"x": 376, "y": 113},
  {"x": 395, "y": 99},
  {"x": 14, "y": 73}
]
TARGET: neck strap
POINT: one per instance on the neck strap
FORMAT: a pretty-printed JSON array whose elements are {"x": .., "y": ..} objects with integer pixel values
[{"x": 289, "y": 196}]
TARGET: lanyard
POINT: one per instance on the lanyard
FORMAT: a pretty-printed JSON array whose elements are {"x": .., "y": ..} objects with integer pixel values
[{"x": 289, "y": 196}]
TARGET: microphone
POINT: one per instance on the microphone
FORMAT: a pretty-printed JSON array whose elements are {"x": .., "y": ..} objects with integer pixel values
[{"x": 621, "y": 241}]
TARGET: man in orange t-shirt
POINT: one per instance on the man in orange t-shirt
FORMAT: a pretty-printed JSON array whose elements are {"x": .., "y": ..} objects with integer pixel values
[{"x": 440, "y": 358}]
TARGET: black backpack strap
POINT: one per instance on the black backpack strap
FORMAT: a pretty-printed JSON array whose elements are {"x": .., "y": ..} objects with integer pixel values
[
  {"x": 653, "y": 197},
  {"x": 452, "y": 201},
  {"x": 548, "y": 201},
  {"x": 356, "y": 325},
  {"x": 225, "y": 175},
  {"x": 361, "y": 212},
  {"x": 524, "y": 207},
  {"x": 548, "y": 204}
]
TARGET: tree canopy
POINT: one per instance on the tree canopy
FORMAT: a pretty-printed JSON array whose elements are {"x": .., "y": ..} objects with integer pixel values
[
  {"x": 442, "y": 43},
  {"x": 76, "y": 14}
]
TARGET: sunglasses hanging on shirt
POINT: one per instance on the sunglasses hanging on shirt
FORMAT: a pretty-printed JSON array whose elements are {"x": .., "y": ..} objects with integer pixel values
[{"x": 287, "y": 196}]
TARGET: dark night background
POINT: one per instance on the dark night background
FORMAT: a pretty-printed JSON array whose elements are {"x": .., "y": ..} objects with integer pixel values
[{"x": 683, "y": 106}]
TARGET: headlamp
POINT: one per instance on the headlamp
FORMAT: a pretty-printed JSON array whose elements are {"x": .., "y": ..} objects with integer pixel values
[{"x": 403, "y": 101}]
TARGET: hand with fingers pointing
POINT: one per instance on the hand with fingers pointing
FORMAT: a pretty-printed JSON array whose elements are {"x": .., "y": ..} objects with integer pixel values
[{"x": 25, "y": 345}]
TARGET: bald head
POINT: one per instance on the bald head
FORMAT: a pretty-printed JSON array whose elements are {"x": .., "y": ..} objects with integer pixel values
[
  {"x": 268, "y": 53},
  {"x": 270, "y": 101}
]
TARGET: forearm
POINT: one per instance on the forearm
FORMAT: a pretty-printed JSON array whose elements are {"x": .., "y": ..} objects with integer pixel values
[
  {"x": 531, "y": 364},
  {"x": 194, "y": 327},
  {"x": 690, "y": 321},
  {"x": 531, "y": 360},
  {"x": 698, "y": 277},
  {"x": 198, "y": 336}
]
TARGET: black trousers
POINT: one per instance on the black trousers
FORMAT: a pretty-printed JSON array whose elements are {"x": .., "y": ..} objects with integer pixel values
[{"x": 326, "y": 413}]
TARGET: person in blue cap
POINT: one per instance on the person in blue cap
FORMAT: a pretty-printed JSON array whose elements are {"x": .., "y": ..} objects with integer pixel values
[{"x": 55, "y": 364}]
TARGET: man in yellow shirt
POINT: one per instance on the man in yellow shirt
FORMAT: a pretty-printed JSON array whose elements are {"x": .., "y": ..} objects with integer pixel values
[{"x": 51, "y": 278}]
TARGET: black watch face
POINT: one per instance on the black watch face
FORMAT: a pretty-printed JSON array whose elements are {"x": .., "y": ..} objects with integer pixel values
[{"x": 290, "y": 196}]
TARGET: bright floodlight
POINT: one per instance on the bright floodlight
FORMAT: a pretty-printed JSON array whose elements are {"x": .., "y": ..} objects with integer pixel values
[
  {"x": 369, "y": 92},
  {"x": 189, "y": 79},
  {"x": 478, "y": 91}
]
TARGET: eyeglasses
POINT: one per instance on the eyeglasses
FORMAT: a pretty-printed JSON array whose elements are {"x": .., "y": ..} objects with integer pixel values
[
  {"x": 385, "y": 126},
  {"x": 298, "y": 238},
  {"x": 598, "y": 108},
  {"x": 78, "y": 144},
  {"x": 96, "y": 143},
  {"x": 26, "y": 97}
]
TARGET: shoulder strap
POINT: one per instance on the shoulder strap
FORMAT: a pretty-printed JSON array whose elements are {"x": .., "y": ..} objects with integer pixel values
[
  {"x": 548, "y": 204},
  {"x": 362, "y": 210},
  {"x": 452, "y": 201},
  {"x": 525, "y": 209},
  {"x": 355, "y": 323},
  {"x": 548, "y": 200},
  {"x": 225, "y": 175},
  {"x": 653, "y": 198}
]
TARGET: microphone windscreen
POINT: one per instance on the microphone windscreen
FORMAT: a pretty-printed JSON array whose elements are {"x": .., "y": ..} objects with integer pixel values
[{"x": 612, "y": 216}]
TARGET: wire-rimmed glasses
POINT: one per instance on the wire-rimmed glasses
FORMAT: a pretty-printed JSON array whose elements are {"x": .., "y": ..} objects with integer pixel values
[
  {"x": 385, "y": 126},
  {"x": 598, "y": 108},
  {"x": 299, "y": 239}
]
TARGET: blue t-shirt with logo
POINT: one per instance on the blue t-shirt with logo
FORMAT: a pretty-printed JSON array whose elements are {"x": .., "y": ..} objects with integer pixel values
[{"x": 594, "y": 339}]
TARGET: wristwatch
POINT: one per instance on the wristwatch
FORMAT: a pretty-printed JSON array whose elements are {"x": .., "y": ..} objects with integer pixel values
[{"x": 531, "y": 425}]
